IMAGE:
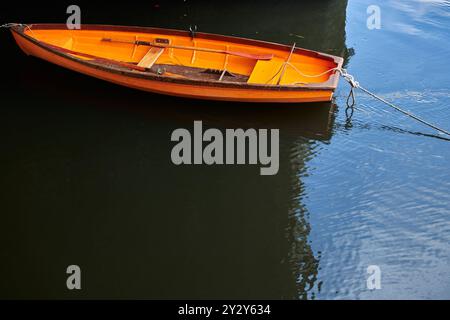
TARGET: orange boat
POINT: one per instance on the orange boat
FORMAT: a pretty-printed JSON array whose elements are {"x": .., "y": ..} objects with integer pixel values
[{"x": 186, "y": 63}]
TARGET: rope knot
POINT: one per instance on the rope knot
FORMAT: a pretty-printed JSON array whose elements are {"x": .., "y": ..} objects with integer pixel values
[{"x": 350, "y": 79}]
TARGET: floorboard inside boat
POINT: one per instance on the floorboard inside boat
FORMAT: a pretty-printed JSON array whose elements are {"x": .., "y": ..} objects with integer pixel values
[{"x": 198, "y": 73}]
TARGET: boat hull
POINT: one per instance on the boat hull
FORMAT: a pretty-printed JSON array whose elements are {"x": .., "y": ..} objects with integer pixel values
[{"x": 184, "y": 89}]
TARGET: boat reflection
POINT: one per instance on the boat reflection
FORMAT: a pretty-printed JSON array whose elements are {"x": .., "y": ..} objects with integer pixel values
[
  {"x": 160, "y": 230},
  {"x": 200, "y": 232}
]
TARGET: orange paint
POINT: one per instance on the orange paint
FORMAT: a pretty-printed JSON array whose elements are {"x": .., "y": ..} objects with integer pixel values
[{"x": 43, "y": 41}]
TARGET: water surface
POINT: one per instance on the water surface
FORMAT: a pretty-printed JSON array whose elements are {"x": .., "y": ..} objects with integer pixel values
[{"x": 87, "y": 177}]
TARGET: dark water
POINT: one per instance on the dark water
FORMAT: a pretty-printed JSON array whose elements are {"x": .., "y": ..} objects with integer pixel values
[{"x": 86, "y": 175}]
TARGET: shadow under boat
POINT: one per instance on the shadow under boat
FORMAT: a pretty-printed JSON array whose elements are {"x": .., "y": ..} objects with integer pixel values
[
  {"x": 88, "y": 168},
  {"x": 103, "y": 156},
  {"x": 309, "y": 120}
]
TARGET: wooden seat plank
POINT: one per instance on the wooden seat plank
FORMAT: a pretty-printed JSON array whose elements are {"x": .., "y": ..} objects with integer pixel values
[{"x": 150, "y": 57}]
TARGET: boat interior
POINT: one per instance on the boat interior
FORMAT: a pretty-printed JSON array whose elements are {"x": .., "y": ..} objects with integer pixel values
[{"x": 196, "y": 58}]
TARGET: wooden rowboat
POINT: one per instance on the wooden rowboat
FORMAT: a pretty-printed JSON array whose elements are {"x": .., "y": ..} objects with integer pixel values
[{"x": 180, "y": 63}]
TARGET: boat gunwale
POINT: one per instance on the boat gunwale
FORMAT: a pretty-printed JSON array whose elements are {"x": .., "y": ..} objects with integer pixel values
[{"x": 329, "y": 85}]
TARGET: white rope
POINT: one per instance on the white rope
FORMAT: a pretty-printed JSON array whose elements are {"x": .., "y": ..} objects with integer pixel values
[
  {"x": 311, "y": 75},
  {"x": 355, "y": 84},
  {"x": 287, "y": 63},
  {"x": 10, "y": 25}
]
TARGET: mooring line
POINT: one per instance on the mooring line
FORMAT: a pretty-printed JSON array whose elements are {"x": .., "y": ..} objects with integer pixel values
[
  {"x": 11, "y": 25},
  {"x": 351, "y": 101}
]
